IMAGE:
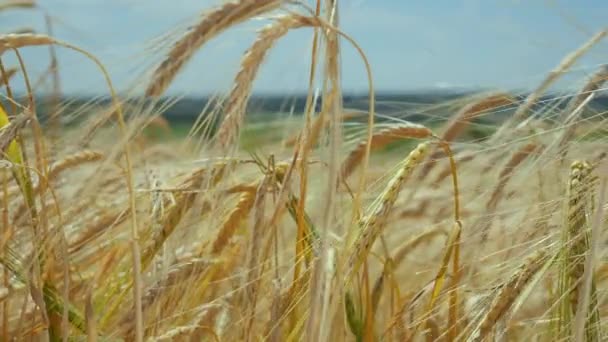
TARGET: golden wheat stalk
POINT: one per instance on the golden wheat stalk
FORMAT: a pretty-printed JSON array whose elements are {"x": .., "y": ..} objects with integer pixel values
[
  {"x": 210, "y": 25},
  {"x": 398, "y": 256},
  {"x": 508, "y": 294},
  {"x": 372, "y": 224}
]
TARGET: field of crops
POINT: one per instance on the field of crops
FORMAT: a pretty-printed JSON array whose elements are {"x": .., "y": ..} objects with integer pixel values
[{"x": 484, "y": 221}]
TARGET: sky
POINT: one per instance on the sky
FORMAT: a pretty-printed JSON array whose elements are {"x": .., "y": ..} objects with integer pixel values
[{"x": 411, "y": 44}]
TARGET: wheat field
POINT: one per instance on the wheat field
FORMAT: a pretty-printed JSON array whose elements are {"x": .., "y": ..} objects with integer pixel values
[{"x": 346, "y": 226}]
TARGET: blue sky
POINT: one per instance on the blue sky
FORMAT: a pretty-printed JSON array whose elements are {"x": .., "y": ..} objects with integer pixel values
[{"x": 505, "y": 44}]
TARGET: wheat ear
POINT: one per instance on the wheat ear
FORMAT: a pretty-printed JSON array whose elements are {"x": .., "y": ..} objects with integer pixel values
[
  {"x": 461, "y": 120},
  {"x": 561, "y": 69},
  {"x": 210, "y": 25},
  {"x": 508, "y": 293},
  {"x": 575, "y": 107},
  {"x": 381, "y": 139},
  {"x": 575, "y": 244},
  {"x": 15, "y": 41},
  {"x": 372, "y": 224},
  {"x": 236, "y": 102},
  {"x": 10, "y": 4},
  {"x": 234, "y": 219}
]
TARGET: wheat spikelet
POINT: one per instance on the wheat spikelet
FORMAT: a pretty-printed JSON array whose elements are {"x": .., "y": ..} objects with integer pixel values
[
  {"x": 507, "y": 171},
  {"x": 23, "y": 30},
  {"x": 232, "y": 222},
  {"x": 381, "y": 139},
  {"x": 183, "y": 204},
  {"x": 73, "y": 160},
  {"x": 57, "y": 168},
  {"x": 236, "y": 103},
  {"x": 579, "y": 188},
  {"x": 461, "y": 120},
  {"x": 93, "y": 230},
  {"x": 562, "y": 68},
  {"x": 575, "y": 244},
  {"x": 15, "y": 41},
  {"x": 9, "y": 74},
  {"x": 9, "y": 132},
  {"x": 176, "y": 274},
  {"x": 9, "y": 4},
  {"x": 372, "y": 224},
  {"x": 592, "y": 85},
  {"x": 503, "y": 179},
  {"x": 508, "y": 293},
  {"x": 575, "y": 107},
  {"x": 211, "y": 25}
]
